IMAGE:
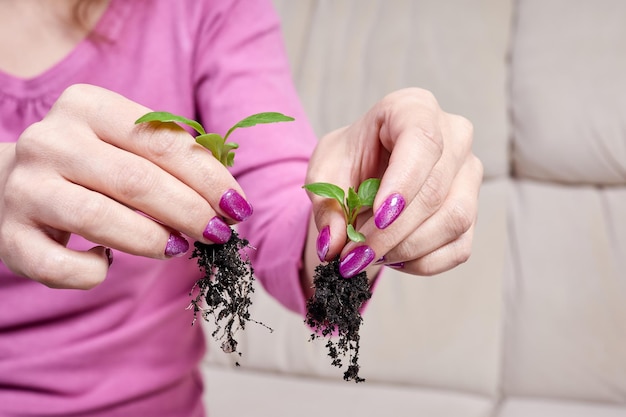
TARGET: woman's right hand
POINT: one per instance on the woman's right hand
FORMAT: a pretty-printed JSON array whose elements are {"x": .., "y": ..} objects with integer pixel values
[{"x": 87, "y": 169}]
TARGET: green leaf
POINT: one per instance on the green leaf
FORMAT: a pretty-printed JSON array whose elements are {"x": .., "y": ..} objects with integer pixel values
[
  {"x": 327, "y": 190},
  {"x": 355, "y": 236},
  {"x": 230, "y": 146},
  {"x": 230, "y": 159},
  {"x": 368, "y": 190},
  {"x": 213, "y": 142},
  {"x": 260, "y": 118},
  {"x": 354, "y": 202},
  {"x": 165, "y": 117}
]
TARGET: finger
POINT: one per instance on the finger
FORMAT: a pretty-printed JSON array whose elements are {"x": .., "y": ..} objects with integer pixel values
[
  {"x": 431, "y": 195},
  {"x": 331, "y": 225},
  {"x": 442, "y": 259},
  {"x": 193, "y": 165},
  {"x": 168, "y": 146},
  {"x": 457, "y": 215},
  {"x": 411, "y": 133},
  {"x": 103, "y": 221},
  {"x": 380, "y": 242},
  {"x": 416, "y": 155},
  {"x": 142, "y": 185},
  {"x": 327, "y": 212},
  {"x": 36, "y": 255}
]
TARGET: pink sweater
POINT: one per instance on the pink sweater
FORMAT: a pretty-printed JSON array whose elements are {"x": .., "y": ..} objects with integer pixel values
[{"x": 127, "y": 347}]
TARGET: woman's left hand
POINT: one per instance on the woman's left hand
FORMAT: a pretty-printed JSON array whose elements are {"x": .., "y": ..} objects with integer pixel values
[{"x": 424, "y": 214}]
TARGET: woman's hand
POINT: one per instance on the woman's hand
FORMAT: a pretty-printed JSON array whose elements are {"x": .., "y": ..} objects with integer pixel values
[
  {"x": 425, "y": 210},
  {"x": 87, "y": 169}
]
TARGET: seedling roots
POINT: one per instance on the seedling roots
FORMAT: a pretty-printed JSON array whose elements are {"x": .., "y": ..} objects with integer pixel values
[
  {"x": 334, "y": 312},
  {"x": 223, "y": 294}
]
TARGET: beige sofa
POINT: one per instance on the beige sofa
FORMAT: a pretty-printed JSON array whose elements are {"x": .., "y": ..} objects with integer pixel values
[{"x": 534, "y": 324}]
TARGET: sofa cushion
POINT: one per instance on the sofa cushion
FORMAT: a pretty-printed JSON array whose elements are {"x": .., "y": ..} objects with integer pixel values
[
  {"x": 525, "y": 407},
  {"x": 440, "y": 332},
  {"x": 566, "y": 293},
  {"x": 244, "y": 393},
  {"x": 539, "y": 310},
  {"x": 347, "y": 54},
  {"x": 568, "y": 101}
]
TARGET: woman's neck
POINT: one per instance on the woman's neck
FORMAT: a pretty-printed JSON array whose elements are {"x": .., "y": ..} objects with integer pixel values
[{"x": 37, "y": 34}]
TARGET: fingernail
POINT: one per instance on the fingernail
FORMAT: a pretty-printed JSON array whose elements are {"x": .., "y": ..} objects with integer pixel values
[
  {"x": 217, "y": 231},
  {"x": 356, "y": 261},
  {"x": 380, "y": 260},
  {"x": 389, "y": 211},
  {"x": 235, "y": 206},
  {"x": 323, "y": 243},
  {"x": 109, "y": 254},
  {"x": 396, "y": 265},
  {"x": 176, "y": 246}
]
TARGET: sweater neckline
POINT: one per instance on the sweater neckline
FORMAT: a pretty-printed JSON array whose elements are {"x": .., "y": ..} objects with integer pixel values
[{"x": 105, "y": 31}]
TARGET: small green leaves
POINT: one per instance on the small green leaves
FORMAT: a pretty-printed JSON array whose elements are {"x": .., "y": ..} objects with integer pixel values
[
  {"x": 211, "y": 141},
  {"x": 352, "y": 204},
  {"x": 259, "y": 118},
  {"x": 327, "y": 190},
  {"x": 355, "y": 236},
  {"x": 164, "y": 117},
  {"x": 368, "y": 190},
  {"x": 214, "y": 142},
  {"x": 220, "y": 150}
]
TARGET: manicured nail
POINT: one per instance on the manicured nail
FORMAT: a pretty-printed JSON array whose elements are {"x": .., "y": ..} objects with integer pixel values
[
  {"x": 235, "y": 206},
  {"x": 389, "y": 211},
  {"x": 380, "y": 261},
  {"x": 396, "y": 265},
  {"x": 176, "y": 246},
  {"x": 356, "y": 261},
  {"x": 323, "y": 243},
  {"x": 217, "y": 231},
  {"x": 109, "y": 255}
]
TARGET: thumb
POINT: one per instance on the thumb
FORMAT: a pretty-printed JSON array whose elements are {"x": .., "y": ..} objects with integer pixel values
[
  {"x": 331, "y": 226},
  {"x": 86, "y": 270}
]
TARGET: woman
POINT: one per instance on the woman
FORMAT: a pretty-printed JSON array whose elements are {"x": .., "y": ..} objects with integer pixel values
[{"x": 88, "y": 195}]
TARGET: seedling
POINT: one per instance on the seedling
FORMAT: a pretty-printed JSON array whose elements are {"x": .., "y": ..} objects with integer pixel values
[
  {"x": 352, "y": 204},
  {"x": 214, "y": 142},
  {"x": 334, "y": 309},
  {"x": 223, "y": 293}
]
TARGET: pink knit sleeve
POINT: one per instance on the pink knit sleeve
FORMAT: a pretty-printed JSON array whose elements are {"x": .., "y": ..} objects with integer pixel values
[{"x": 243, "y": 69}]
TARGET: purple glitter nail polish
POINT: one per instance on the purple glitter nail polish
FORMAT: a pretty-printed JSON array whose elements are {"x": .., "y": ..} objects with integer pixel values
[
  {"x": 217, "y": 231},
  {"x": 323, "y": 243},
  {"x": 389, "y": 211},
  {"x": 356, "y": 261},
  {"x": 235, "y": 206},
  {"x": 176, "y": 246},
  {"x": 396, "y": 265}
]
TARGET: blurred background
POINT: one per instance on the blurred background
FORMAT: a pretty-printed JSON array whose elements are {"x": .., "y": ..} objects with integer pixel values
[{"x": 534, "y": 324}]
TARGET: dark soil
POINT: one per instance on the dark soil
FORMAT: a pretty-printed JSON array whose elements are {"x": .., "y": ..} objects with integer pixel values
[
  {"x": 223, "y": 294},
  {"x": 334, "y": 312}
]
